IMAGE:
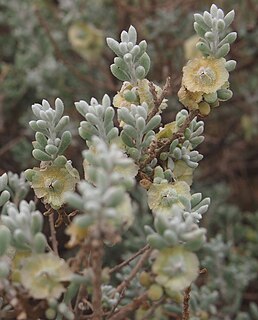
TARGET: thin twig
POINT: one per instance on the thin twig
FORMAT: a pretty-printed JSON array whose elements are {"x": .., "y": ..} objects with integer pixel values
[
  {"x": 134, "y": 271},
  {"x": 158, "y": 98},
  {"x": 126, "y": 262},
  {"x": 186, "y": 313},
  {"x": 53, "y": 233},
  {"x": 153, "y": 308},
  {"x": 125, "y": 284},
  {"x": 121, "y": 314}
]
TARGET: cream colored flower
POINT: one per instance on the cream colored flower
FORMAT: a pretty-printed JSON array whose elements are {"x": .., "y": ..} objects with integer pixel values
[
  {"x": 190, "y": 49},
  {"x": 51, "y": 183},
  {"x": 42, "y": 275},
  {"x": 182, "y": 172},
  {"x": 189, "y": 99},
  {"x": 205, "y": 75},
  {"x": 77, "y": 234},
  {"x": 175, "y": 269},
  {"x": 86, "y": 40},
  {"x": 161, "y": 197},
  {"x": 145, "y": 94},
  {"x": 142, "y": 94},
  {"x": 168, "y": 131}
]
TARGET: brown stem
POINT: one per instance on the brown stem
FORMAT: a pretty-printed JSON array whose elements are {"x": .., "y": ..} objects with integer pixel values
[
  {"x": 165, "y": 145},
  {"x": 126, "y": 262},
  {"x": 125, "y": 284},
  {"x": 53, "y": 233},
  {"x": 121, "y": 314},
  {"x": 134, "y": 271},
  {"x": 158, "y": 99},
  {"x": 97, "y": 255},
  {"x": 186, "y": 313},
  {"x": 151, "y": 311}
]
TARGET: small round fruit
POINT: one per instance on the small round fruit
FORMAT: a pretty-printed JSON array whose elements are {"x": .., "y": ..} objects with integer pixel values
[
  {"x": 204, "y": 108},
  {"x": 155, "y": 292}
]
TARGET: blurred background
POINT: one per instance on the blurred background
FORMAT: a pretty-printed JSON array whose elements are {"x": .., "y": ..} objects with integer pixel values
[{"x": 56, "y": 48}]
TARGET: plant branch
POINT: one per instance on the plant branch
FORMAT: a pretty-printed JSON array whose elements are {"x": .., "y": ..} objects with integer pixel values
[
  {"x": 121, "y": 314},
  {"x": 158, "y": 98},
  {"x": 125, "y": 284},
  {"x": 166, "y": 142},
  {"x": 134, "y": 271},
  {"x": 186, "y": 313},
  {"x": 97, "y": 255},
  {"x": 53, "y": 233},
  {"x": 126, "y": 262}
]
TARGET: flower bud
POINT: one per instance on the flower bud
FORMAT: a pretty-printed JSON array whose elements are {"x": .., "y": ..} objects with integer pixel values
[{"x": 145, "y": 279}]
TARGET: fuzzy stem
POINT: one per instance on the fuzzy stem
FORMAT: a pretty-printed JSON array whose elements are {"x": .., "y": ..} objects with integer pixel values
[{"x": 53, "y": 233}]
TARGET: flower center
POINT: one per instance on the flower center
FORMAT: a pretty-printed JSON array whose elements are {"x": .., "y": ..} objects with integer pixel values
[
  {"x": 206, "y": 76},
  {"x": 175, "y": 267},
  {"x": 169, "y": 197},
  {"x": 53, "y": 185}
]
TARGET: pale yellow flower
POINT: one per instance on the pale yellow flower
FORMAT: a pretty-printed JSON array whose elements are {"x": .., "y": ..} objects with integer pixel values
[
  {"x": 51, "y": 183},
  {"x": 119, "y": 100},
  {"x": 86, "y": 40},
  {"x": 205, "y": 75},
  {"x": 182, "y": 172},
  {"x": 189, "y": 99},
  {"x": 175, "y": 269},
  {"x": 190, "y": 49},
  {"x": 77, "y": 234},
  {"x": 142, "y": 93},
  {"x": 168, "y": 131},
  {"x": 145, "y": 94},
  {"x": 42, "y": 275},
  {"x": 161, "y": 197}
]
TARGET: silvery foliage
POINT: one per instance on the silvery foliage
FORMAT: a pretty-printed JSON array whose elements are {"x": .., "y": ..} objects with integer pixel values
[
  {"x": 206, "y": 299},
  {"x": 109, "y": 296},
  {"x": 212, "y": 27},
  {"x": 251, "y": 315},
  {"x": 25, "y": 225},
  {"x": 105, "y": 188},
  {"x": 203, "y": 299},
  {"x": 137, "y": 133},
  {"x": 51, "y": 141},
  {"x": 99, "y": 120},
  {"x": 181, "y": 226},
  {"x": 17, "y": 186},
  {"x": 232, "y": 273},
  {"x": 132, "y": 62},
  {"x": 192, "y": 138},
  {"x": 4, "y": 194},
  {"x": 12, "y": 187},
  {"x": 135, "y": 287}
]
